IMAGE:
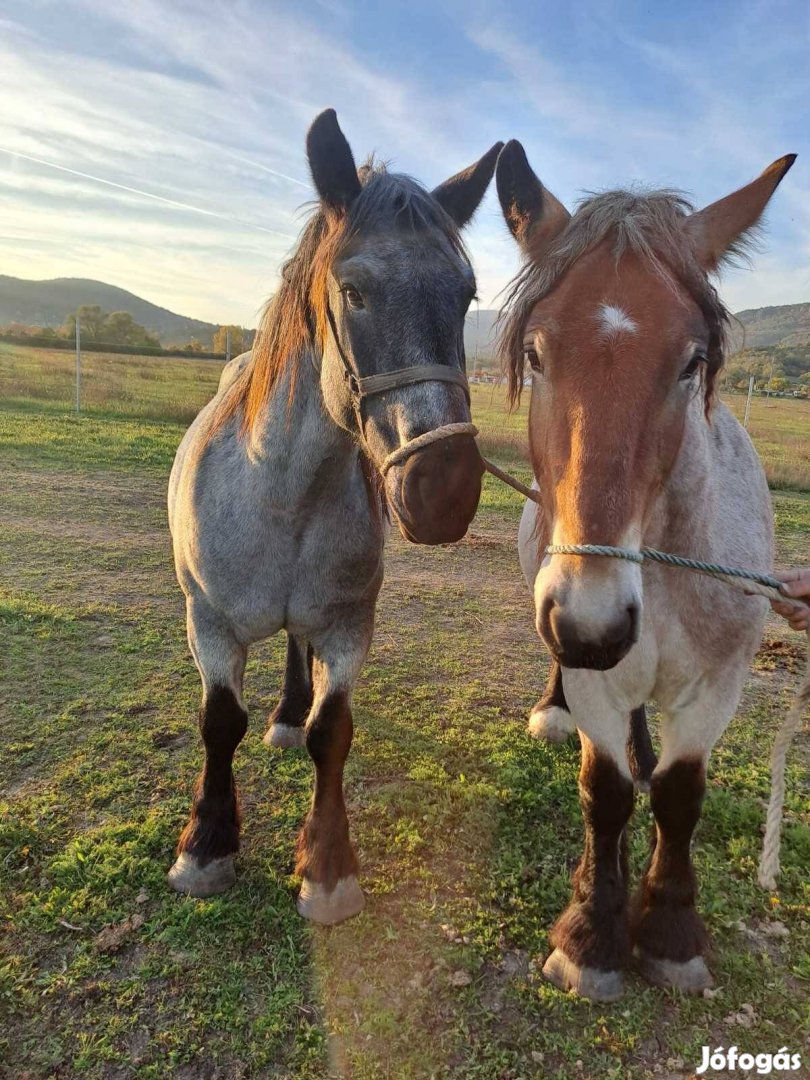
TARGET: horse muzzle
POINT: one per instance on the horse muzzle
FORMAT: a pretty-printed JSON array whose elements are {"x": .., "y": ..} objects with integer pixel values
[
  {"x": 434, "y": 491},
  {"x": 588, "y": 613}
]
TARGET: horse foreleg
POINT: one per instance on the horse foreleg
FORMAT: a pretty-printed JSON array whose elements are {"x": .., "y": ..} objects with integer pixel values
[
  {"x": 289, "y": 716},
  {"x": 669, "y": 936},
  {"x": 591, "y": 939},
  {"x": 208, "y": 843},
  {"x": 551, "y": 720},
  {"x": 326, "y": 861}
]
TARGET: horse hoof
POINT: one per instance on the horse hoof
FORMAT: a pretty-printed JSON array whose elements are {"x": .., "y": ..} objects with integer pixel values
[
  {"x": 587, "y": 982},
  {"x": 187, "y": 876},
  {"x": 552, "y": 724},
  {"x": 285, "y": 737},
  {"x": 320, "y": 906},
  {"x": 693, "y": 977}
]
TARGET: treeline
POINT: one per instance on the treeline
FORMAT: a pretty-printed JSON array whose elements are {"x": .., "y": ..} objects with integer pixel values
[
  {"x": 119, "y": 331},
  {"x": 776, "y": 368}
]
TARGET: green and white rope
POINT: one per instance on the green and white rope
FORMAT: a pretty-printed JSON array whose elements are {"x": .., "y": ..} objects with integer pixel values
[
  {"x": 733, "y": 575},
  {"x": 749, "y": 581}
]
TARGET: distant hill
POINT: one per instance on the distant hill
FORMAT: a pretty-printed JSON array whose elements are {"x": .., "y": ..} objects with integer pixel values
[
  {"x": 48, "y": 303},
  {"x": 788, "y": 324},
  {"x": 479, "y": 333},
  {"x": 785, "y": 325}
]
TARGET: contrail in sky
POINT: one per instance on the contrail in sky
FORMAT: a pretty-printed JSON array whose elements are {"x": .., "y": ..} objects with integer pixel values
[{"x": 148, "y": 194}]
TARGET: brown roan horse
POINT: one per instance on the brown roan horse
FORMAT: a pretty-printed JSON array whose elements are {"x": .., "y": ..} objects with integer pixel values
[{"x": 624, "y": 334}]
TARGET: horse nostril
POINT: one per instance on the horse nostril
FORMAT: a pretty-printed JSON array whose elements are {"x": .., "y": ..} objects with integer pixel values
[
  {"x": 633, "y": 613},
  {"x": 548, "y": 618}
]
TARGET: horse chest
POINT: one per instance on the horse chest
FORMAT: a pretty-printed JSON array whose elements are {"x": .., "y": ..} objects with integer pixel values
[{"x": 285, "y": 572}]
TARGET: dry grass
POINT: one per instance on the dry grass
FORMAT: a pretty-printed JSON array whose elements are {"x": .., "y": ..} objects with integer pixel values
[{"x": 164, "y": 388}]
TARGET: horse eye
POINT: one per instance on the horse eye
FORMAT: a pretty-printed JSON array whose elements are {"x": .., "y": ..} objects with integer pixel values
[
  {"x": 353, "y": 297},
  {"x": 692, "y": 367},
  {"x": 534, "y": 360}
]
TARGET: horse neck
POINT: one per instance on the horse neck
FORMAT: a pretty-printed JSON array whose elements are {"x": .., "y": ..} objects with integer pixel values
[
  {"x": 681, "y": 518},
  {"x": 300, "y": 446}
]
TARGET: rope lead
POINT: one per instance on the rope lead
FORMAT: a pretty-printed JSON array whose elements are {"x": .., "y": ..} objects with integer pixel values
[{"x": 747, "y": 581}]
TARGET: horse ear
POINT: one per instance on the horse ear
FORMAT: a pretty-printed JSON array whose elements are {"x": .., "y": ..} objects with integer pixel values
[
  {"x": 462, "y": 193},
  {"x": 331, "y": 162},
  {"x": 532, "y": 213},
  {"x": 718, "y": 229}
]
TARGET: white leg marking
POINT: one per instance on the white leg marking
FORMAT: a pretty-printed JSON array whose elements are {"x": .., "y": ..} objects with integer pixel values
[
  {"x": 187, "y": 876},
  {"x": 552, "y": 724},
  {"x": 320, "y": 906}
]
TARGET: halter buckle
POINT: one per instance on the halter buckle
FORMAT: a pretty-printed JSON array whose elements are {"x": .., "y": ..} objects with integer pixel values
[{"x": 353, "y": 381}]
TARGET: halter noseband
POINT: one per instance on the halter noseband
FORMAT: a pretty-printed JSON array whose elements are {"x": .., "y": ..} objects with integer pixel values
[{"x": 366, "y": 386}]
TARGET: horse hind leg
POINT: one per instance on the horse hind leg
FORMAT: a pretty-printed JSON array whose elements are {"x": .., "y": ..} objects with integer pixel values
[
  {"x": 326, "y": 861},
  {"x": 640, "y": 753},
  {"x": 550, "y": 718},
  {"x": 287, "y": 720},
  {"x": 210, "y": 839}
]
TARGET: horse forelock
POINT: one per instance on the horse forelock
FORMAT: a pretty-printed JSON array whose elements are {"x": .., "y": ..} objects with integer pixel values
[
  {"x": 295, "y": 318},
  {"x": 649, "y": 224}
]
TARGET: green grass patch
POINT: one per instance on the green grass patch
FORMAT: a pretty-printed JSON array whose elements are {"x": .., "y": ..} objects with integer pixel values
[{"x": 467, "y": 830}]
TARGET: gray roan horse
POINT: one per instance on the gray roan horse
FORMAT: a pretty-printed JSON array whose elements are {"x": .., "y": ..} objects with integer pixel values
[
  {"x": 277, "y": 496},
  {"x": 624, "y": 334}
]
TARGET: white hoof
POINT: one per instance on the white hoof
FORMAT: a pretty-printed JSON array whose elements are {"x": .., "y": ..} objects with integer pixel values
[
  {"x": 693, "y": 977},
  {"x": 187, "y": 876},
  {"x": 285, "y": 737},
  {"x": 320, "y": 906},
  {"x": 587, "y": 982},
  {"x": 552, "y": 724}
]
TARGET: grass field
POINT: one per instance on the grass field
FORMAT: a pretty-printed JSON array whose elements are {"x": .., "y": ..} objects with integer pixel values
[{"x": 467, "y": 830}]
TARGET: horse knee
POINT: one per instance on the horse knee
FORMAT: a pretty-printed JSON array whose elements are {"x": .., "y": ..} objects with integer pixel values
[
  {"x": 676, "y": 798},
  {"x": 223, "y": 721},
  {"x": 329, "y": 731}
]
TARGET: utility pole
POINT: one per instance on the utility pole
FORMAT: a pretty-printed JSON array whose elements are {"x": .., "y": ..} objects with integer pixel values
[
  {"x": 78, "y": 367},
  {"x": 748, "y": 402}
]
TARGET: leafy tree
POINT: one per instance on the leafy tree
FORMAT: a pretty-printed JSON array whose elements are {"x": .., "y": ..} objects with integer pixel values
[
  {"x": 121, "y": 329},
  {"x": 238, "y": 339},
  {"x": 91, "y": 323},
  {"x": 193, "y": 346}
]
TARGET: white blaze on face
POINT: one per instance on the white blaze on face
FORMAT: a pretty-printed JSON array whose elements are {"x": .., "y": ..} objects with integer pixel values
[{"x": 614, "y": 320}]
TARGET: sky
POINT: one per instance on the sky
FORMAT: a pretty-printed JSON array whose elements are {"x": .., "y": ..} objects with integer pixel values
[{"x": 158, "y": 145}]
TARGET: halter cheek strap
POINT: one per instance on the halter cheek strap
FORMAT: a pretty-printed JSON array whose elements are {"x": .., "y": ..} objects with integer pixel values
[{"x": 365, "y": 386}]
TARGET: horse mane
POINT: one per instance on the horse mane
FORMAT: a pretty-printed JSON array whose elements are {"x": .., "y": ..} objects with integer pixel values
[
  {"x": 649, "y": 224},
  {"x": 294, "y": 320}
]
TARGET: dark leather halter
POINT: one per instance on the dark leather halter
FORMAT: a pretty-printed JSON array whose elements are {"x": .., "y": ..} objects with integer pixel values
[
  {"x": 366, "y": 386},
  {"x": 361, "y": 387}
]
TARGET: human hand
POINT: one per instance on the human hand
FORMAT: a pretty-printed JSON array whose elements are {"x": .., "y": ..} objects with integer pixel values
[{"x": 796, "y": 583}]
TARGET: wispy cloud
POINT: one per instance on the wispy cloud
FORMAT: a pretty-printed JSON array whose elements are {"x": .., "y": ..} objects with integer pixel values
[{"x": 158, "y": 144}]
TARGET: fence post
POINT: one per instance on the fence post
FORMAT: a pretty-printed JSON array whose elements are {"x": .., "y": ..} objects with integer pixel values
[
  {"x": 748, "y": 402},
  {"x": 78, "y": 367}
]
